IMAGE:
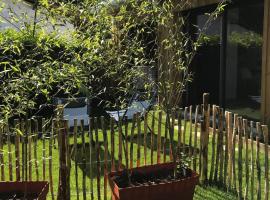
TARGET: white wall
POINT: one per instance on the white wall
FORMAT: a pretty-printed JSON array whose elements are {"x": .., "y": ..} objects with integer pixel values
[{"x": 25, "y": 13}]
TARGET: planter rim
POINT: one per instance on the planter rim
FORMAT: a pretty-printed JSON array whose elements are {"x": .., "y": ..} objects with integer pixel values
[{"x": 193, "y": 176}]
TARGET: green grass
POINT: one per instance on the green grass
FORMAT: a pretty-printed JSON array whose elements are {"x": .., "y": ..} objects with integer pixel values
[{"x": 202, "y": 193}]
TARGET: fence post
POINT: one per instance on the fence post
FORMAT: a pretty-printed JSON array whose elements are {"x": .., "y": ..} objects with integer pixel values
[
  {"x": 205, "y": 138},
  {"x": 63, "y": 168}
]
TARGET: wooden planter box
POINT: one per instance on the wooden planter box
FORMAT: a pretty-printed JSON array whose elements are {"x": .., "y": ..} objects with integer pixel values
[
  {"x": 173, "y": 190},
  {"x": 28, "y": 190}
]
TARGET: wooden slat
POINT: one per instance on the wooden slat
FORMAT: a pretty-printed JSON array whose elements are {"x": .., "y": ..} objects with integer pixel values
[
  {"x": 252, "y": 172},
  {"x": 205, "y": 137},
  {"x": 159, "y": 137},
  {"x": 17, "y": 149},
  {"x": 23, "y": 144},
  {"x": 68, "y": 157},
  {"x": 112, "y": 144},
  {"x": 131, "y": 140},
  {"x": 63, "y": 171},
  {"x": 98, "y": 159},
  {"x": 190, "y": 132},
  {"x": 2, "y": 164},
  {"x": 185, "y": 129},
  {"x": 145, "y": 136},
  {"x": 221, "y": 150},
  {"x": 165, "y": 140},
  {"x": 172, "y": 134},
  {"x": 266, "y": 159},
  {"x": 230, "y": 148},
  {"x": 105, "y": 139},
  {"x": 240, "y": 162},
  {"x": 126, "y": 150},
  {"x": 75, "y": 151},
  {"x": 9, "y": 153},
  {"x": 258, "y": 164},
  {"x": 226, "y": 153},
  {"x": 195, "y": 138},
  {"x": 152, "y": 138},
  {"x": 83, "y": 153},
  {"x": 235, "y": 132},
  {"x": 120, "y": 144},
  {"x": 43, "y": 149},
  {"x": 50, "y": 158},
  {"x": 91, "y": 143},
  {"x": 179, "y": 136},
  {"x": 35, "y": 138},
  {"x": 138, "y": 139},
  {"x": 245, "y": 129},
  {"x": 213, "y": 144},
  {"x": 217, "y": 146}
]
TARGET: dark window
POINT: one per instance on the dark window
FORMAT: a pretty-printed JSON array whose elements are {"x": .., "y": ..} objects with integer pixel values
[{"x": 244, "y": 60}]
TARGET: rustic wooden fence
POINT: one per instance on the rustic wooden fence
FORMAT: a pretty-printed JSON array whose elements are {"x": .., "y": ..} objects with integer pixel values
[{"x": 225, "y": 148}]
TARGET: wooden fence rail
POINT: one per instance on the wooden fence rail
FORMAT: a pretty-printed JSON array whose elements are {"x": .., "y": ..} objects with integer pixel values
[{"x": 225, "y": 148}]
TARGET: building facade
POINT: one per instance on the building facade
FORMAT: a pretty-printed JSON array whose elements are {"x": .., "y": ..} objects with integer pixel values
[{"x": 233, "y": 65}]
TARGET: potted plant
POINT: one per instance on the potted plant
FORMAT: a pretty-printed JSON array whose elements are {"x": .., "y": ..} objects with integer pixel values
[
  {"x": 176, "y": 51},
  {"x": 28, "y": 190},
  {"x": 157, "y": 181}
]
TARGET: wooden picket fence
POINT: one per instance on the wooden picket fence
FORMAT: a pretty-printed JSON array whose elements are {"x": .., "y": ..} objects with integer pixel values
[{"x": 224, "y": 148}]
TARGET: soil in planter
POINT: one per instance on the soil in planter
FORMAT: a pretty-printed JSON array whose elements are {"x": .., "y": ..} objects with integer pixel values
[
  {"x": 155, "y": 177},
  {"x": 17, "y": 196}
]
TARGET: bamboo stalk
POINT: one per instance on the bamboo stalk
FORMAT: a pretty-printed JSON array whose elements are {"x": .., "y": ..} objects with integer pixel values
[
  {"x": 159, "y": 136},
  {"x": 30, "y": 149}
]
